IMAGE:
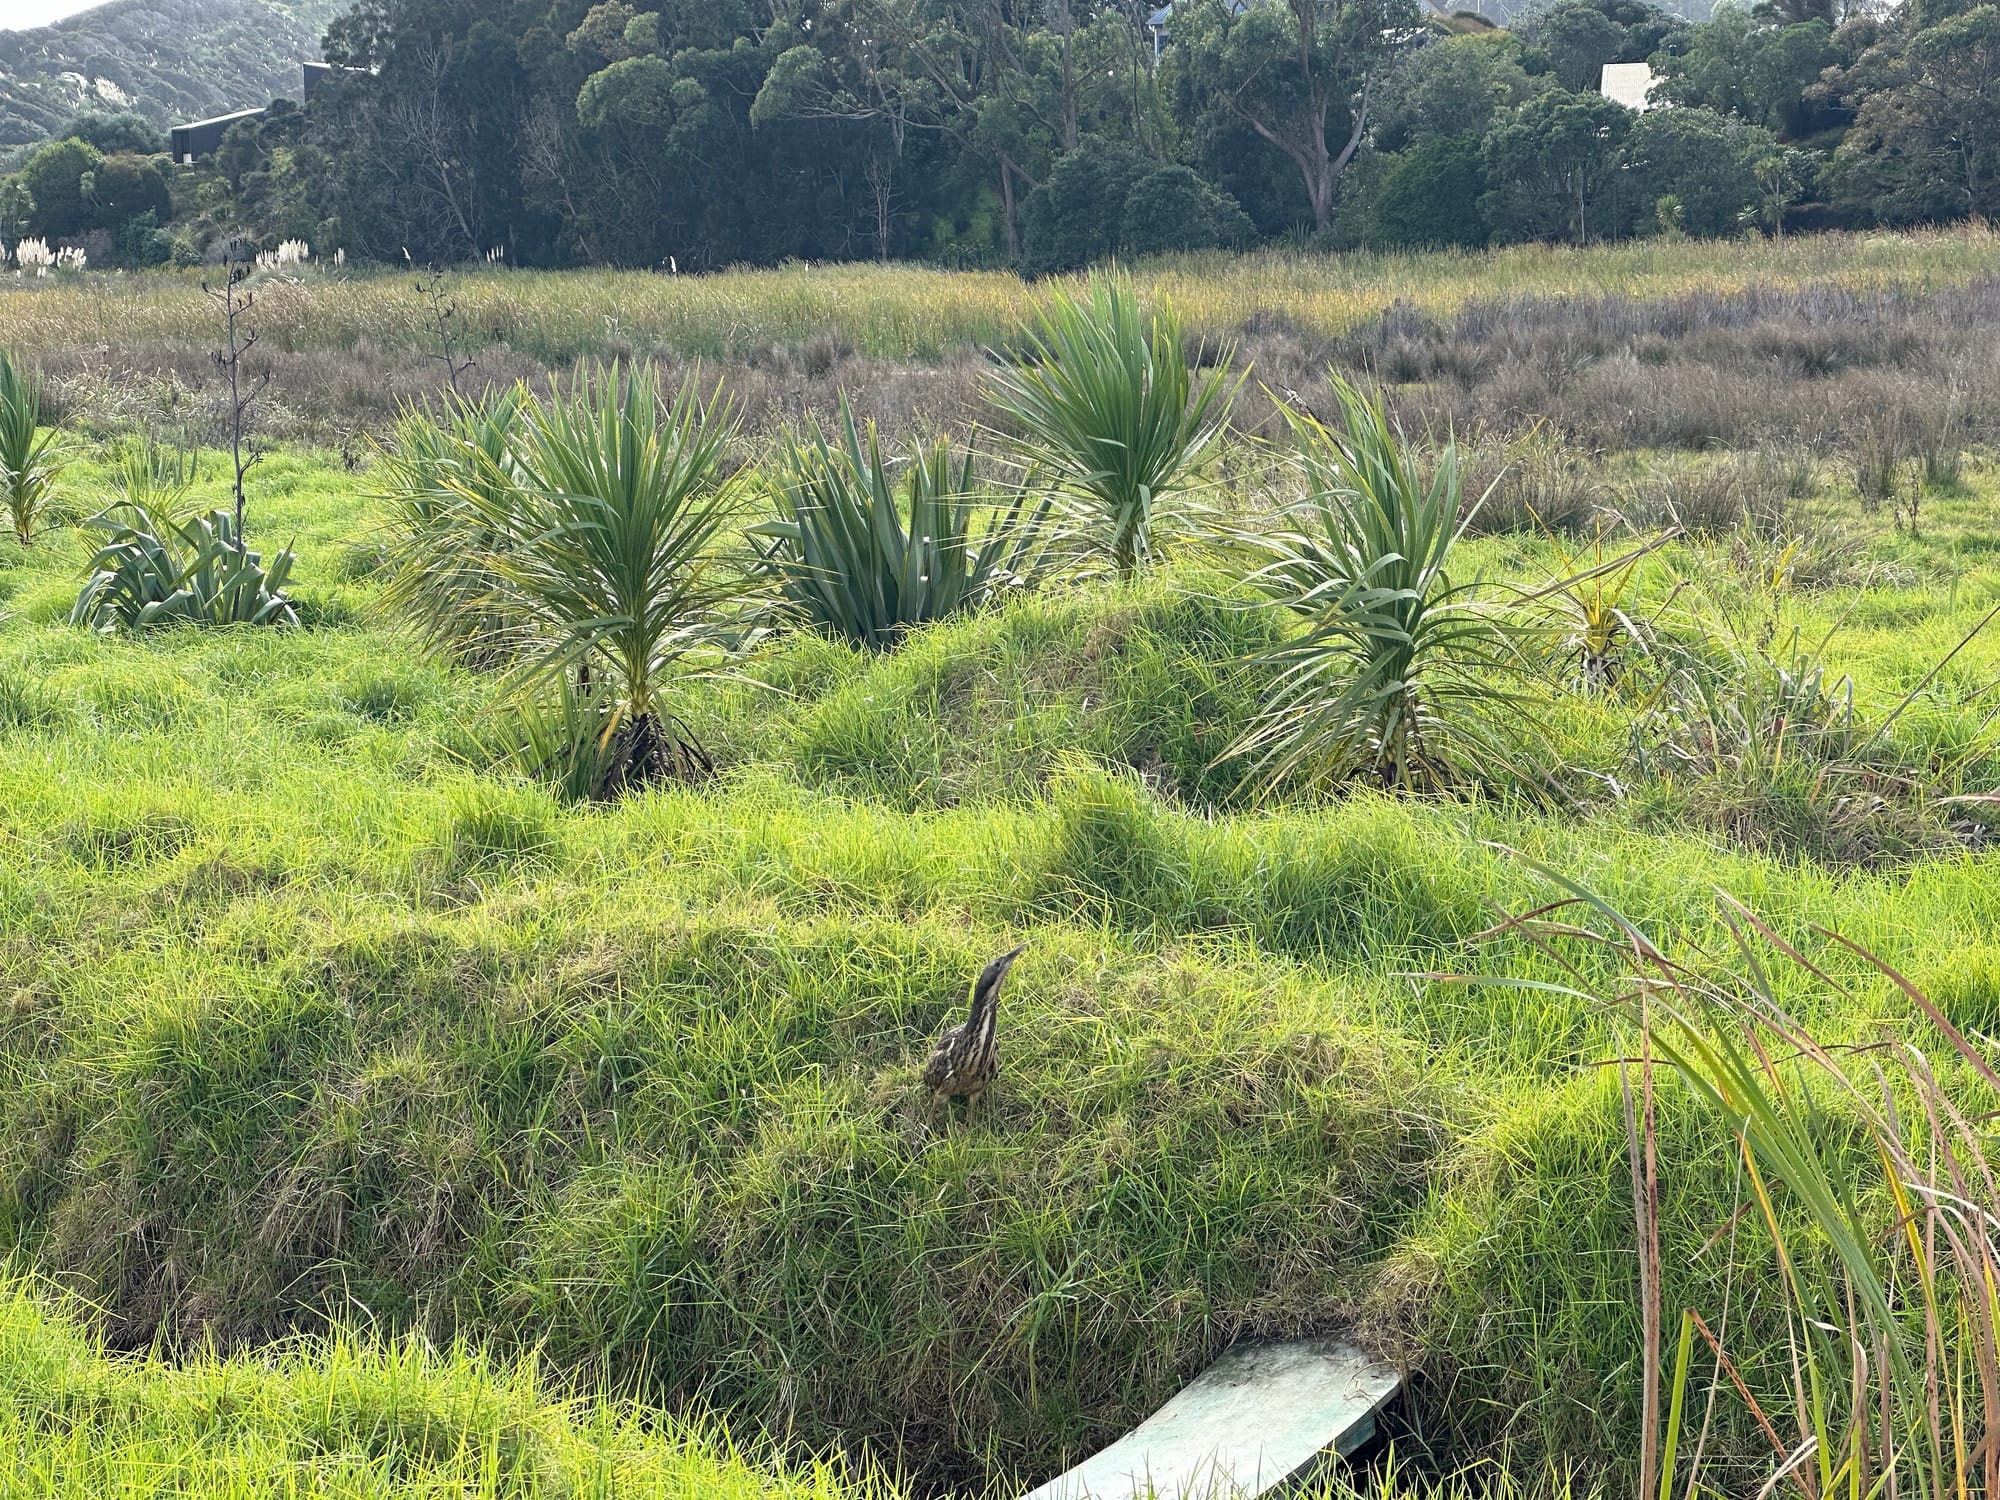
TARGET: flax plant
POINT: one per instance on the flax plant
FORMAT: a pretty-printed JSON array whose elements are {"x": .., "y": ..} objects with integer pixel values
[
  {"x": 866, "y": 553},
  {"x": 153, "y": 570},
  {"x": 1869, "y": 1170}
]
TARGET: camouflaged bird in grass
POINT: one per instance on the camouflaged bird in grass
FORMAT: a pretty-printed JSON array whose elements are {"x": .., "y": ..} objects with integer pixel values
[{"x": 967, "y": 1058}]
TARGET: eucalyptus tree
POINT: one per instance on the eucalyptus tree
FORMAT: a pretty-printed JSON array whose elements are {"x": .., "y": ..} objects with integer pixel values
[{"x": 1301, "y": 74}]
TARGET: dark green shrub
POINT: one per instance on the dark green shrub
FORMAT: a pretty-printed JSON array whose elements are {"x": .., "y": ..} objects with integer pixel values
[
  {"x": 1704, "y": 161},
  {"x": 1175, "y": 209},
  {"x": 1104, "y": 199},
  {"x": 113, "y": 132},
  {"x": 1429, "y": 195},
  {"x": 1075, "y": 218},
  {"x": 142, "y": 243}
]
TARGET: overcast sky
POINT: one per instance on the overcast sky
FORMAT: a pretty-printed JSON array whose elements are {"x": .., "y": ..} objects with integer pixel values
[{"x": 18, "y": 15}]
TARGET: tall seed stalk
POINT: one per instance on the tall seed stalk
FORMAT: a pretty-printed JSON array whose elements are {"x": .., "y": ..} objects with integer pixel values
[{"x": 235, "y": 299}]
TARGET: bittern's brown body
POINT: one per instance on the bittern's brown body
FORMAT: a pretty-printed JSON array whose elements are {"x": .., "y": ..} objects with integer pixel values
[{"x": 967, "y": 1056}]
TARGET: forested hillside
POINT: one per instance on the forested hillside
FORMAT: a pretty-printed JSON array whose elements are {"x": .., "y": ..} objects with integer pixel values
[
  {"x": 165, "y": 60},
  {"x": 1042, "y": 134}
]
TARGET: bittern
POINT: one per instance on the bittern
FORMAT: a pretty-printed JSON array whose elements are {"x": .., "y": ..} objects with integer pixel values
[{"x": 967, "y": 1056}]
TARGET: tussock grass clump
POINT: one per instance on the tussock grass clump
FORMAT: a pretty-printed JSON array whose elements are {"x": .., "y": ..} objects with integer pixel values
[
  {"x": 1369, "y": 883},
  {"x": 1159, "y": 680},
  {"x": 1532, "y": 481},
  {"x": 1751, "y": 731},
  {"x": 29, "y": 704},
  {"x": 121, "y": 831}
]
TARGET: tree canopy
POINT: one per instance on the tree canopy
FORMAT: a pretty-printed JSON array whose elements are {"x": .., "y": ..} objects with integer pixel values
[{"x": 1047, "y": 134}]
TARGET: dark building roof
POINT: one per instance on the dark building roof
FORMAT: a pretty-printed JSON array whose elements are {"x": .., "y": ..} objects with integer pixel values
[
  {"x": 204, "y": 136},
  {"x": 319, "y": 74},
  {"x": 1166, "y": 12}
]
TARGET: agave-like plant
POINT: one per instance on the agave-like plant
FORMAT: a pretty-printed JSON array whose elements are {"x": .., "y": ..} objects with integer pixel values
[
  {"x": 861, "y": 553},
  {"x": 437, "y": 575},
  {"x": 31, "y": 454},
  {"x": 1111, "y": 414},
  {"x": 591, "y": 534},
  {"x": 1400, "y": 673},
  {"x": 155, "y": 570}
]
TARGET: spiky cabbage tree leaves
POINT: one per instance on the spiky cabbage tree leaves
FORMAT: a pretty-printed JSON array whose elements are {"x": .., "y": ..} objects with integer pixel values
[
  {"x": 579, "y": 547},
  {"x": 438, "y": 576},
  {"x": 1111, "y": 414},
  {"x": 31, "y": 455},
  {"x": 1401, "y": 675}
]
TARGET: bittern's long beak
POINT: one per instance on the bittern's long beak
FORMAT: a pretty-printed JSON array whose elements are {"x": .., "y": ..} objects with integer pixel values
[{"x": 990, "y": 977}]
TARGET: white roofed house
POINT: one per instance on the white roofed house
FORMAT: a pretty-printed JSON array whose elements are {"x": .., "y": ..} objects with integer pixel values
[{"x": 1629, "y": 84}]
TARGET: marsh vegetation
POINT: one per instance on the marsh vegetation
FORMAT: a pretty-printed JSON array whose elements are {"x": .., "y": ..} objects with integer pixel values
[{"x": 1506, "y": 876}]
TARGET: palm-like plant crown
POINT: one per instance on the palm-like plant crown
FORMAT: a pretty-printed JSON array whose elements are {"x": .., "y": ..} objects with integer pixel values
[
  {"x": 31, "y": 456},
  {"x": 1399, "y": 668},
  {"x": 1111, "y": 414},
  {"x": 588, "y": 534},
  {"x": 862, "y": 551}
]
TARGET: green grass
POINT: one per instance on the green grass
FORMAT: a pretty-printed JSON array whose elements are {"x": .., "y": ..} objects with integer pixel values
[
  {"x": 345, "y": 1418},
  {"x": 351, "y": 1418},
  {"x": 306, "y": 1024}
]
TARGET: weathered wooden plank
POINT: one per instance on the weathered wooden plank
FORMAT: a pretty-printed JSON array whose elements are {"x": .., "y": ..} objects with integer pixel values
[{"x": 1256, "y": 1417}]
